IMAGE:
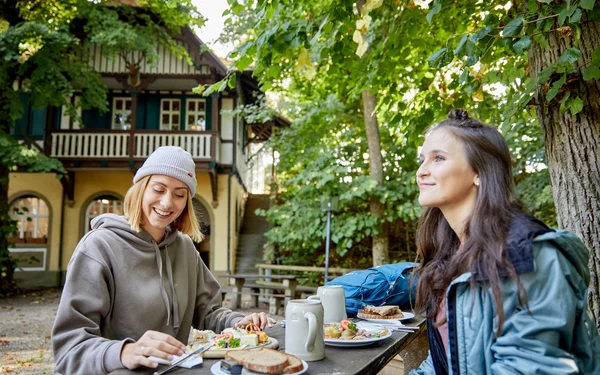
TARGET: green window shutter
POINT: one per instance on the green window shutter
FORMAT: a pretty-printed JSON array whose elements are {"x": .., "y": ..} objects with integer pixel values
[
  {"x": 140, "y": 121},
  {"x": 19, "y": 128},
  {"x": 152, "y": 111},
  {"x": 37, "y": 123},
  {"x": 208, "y": 113},
  {"x": 93, "y": 119}
]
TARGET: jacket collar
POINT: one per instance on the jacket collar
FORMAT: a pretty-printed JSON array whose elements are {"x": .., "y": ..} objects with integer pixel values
[{"x": 519, "y": 245}]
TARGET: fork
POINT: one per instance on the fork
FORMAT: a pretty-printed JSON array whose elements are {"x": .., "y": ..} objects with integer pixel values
[{"x": 200, "y": 350}]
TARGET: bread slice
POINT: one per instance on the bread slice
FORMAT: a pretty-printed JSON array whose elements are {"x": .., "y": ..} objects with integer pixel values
[
  {"x": 267, "y": 361},
  {"x": 365, "y": 315},
  {"x": 294, "y": 365},
  {"x": 382, "y": 310}
]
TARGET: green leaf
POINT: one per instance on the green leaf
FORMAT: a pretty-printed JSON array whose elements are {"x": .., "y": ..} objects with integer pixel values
[
  {"x": 440, "y": 58},
  {"x": 514, "y": 27},
  {"x": 466, "y": 47},
  {"x": 563, "y": 102},
  {"x": 471, "y": 60},
  {"x": 243, "y": 62},
  {"x": 567, "y": 12},
  {"x": 231, "y": 81},
  {"x": 522, "y": 45},
  {"x": 542, "y": 41},
  {"x": 464, "y": 77},
  {"x": 460, "y": 49},
  {"x": 545, "y": 75},
  {"x": 556, "y": 86},
  {"x": 237, "y": 8},
  {"x": 591, "y": 72},
  {"x": 434, "y": 10},
  {"x": 587, "y": 4},
  {"x": 576, "y": 16},
  {"x": 481, "y": 33},
  {"x": 567, "y": 59},
  {"x": 575, "y": 105}
]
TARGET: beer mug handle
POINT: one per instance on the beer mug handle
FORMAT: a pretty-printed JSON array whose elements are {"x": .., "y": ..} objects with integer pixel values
[
  {"x": 312, "y": 331},
  {"x": 318, "y": 298}
]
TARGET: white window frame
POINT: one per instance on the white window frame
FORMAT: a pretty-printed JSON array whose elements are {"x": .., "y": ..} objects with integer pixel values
[
  {"x": 172, "y": 125},
  {"x": 122, "y": 112},
  {"x": 41, "y": 250},
  {"x": 35, "y": 218},
  {"x": 117, "y": 208},
  {"x": 195, "y": 114}
]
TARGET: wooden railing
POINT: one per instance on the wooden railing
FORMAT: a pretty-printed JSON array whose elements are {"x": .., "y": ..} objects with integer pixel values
[{"x": 116, "y": 143}]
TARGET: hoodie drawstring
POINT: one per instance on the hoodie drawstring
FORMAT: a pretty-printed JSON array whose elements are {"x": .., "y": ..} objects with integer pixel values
[
  {"x": 163, "y": 291},
  {"x": 175, "y": 303}
]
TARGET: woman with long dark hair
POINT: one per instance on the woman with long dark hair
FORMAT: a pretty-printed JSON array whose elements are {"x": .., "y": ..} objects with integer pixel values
[{"x": 503, "y": 293}]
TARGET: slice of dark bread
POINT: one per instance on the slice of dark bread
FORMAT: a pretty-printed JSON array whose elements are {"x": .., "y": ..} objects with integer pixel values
[{"x": 267, "y": 361}]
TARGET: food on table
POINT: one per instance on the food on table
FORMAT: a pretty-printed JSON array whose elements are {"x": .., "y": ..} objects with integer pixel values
[
  {"x": 230, "y": 338},
  {"x": 203, "y": 337},
  {"x": 266, "y": 361},
  {"x": 333, "y": 331},
  {"x": 380, "y": 312},
  {"x": 347, "y": 330}
]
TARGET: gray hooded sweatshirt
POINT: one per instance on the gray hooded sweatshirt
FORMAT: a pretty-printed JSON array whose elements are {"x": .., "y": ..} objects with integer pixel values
[{"x": 120, "y": 284}]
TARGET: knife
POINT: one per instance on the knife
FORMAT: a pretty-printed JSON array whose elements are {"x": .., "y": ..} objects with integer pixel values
[{"x": 200, "y": 350}]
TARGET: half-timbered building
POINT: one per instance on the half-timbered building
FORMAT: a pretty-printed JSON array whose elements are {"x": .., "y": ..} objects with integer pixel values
[{"x": 150, "y": 105}]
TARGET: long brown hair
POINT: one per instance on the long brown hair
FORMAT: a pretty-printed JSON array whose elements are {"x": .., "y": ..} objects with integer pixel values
[{"x": 438, "y": 247}]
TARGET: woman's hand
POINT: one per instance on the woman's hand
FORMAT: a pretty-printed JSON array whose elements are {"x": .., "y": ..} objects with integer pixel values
[
  {"x": 260, "y": 319},
  {"x": 152, "y": 343}
]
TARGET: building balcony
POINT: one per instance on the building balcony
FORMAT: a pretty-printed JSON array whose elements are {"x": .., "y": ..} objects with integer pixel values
[{"x": 97, "y": 148}]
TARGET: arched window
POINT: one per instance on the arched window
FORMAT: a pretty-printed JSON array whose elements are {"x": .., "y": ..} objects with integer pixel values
[
  {"x": 32, "y": 219},
  {"x": 105, "y": 204}
]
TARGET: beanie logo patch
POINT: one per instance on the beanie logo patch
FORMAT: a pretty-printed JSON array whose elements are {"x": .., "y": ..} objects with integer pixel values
[{"x": 191, "y": 175}]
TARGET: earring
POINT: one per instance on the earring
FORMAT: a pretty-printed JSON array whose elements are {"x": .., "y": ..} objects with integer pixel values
[{"x": 476, "y": 183}]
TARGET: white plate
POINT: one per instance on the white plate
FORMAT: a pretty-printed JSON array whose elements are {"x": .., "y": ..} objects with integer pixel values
[
  {"x": 406, "y": 316},
  {"x": 216, "y": 370},
  {"x": 354, "y": 343}
]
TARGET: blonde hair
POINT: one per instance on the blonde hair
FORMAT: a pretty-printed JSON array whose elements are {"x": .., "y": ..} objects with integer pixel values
[{"x": 186, "y": 223}]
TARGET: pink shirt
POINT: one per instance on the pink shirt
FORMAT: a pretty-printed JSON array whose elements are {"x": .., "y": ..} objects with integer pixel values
[{"x": 443, "y": 329}]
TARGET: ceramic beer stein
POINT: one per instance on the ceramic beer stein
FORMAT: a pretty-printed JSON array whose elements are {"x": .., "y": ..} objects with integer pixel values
[
  {"x": 334, "y": 302},
  {"x": 304, "y": 329}
]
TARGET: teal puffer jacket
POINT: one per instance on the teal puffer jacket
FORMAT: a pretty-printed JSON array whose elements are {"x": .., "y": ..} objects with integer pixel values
[{"x": 556, "y": 336}]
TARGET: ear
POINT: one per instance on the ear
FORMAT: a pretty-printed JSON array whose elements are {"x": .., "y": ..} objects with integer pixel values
[{"x": 476, "y": 180}]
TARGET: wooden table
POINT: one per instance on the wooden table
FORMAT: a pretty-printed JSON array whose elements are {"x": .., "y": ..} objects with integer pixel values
[
  {"x": 367, "y": 360},
  {"x": 289, "y": 283}
]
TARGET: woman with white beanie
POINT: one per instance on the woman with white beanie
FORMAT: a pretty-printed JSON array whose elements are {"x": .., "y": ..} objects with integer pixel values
[{"x": 136, "y": 284}]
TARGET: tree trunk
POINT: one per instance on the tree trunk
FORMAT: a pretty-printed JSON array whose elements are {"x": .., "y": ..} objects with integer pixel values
[
  {"x": 6, "y": 264},
  {"x": 572, "y": 151},
  {"x": 380, "y": 241}
]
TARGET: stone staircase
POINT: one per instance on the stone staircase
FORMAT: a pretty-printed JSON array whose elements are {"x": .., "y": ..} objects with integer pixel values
[{"x": 252, "y": 240}]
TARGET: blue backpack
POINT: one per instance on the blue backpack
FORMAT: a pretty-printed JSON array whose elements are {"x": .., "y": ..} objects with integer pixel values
[{"x": 387, "y": 284}]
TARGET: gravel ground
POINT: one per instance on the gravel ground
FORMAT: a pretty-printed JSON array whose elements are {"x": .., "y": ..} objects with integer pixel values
[{"x": 25, "y": 325}]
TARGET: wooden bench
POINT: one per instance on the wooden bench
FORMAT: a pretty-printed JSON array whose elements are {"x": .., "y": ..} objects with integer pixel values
[
  {"x": 266, "y": 270},
  {"x": 287, "y": 286}
]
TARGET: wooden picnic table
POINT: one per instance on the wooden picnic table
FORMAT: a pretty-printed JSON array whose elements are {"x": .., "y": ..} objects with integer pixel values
[
  {"x": 366, "y": 360},
  {"x": 289, "y": 283}
]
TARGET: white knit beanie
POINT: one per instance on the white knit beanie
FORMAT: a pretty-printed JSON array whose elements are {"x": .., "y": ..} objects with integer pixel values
[{"x": 170, "y": 161}]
